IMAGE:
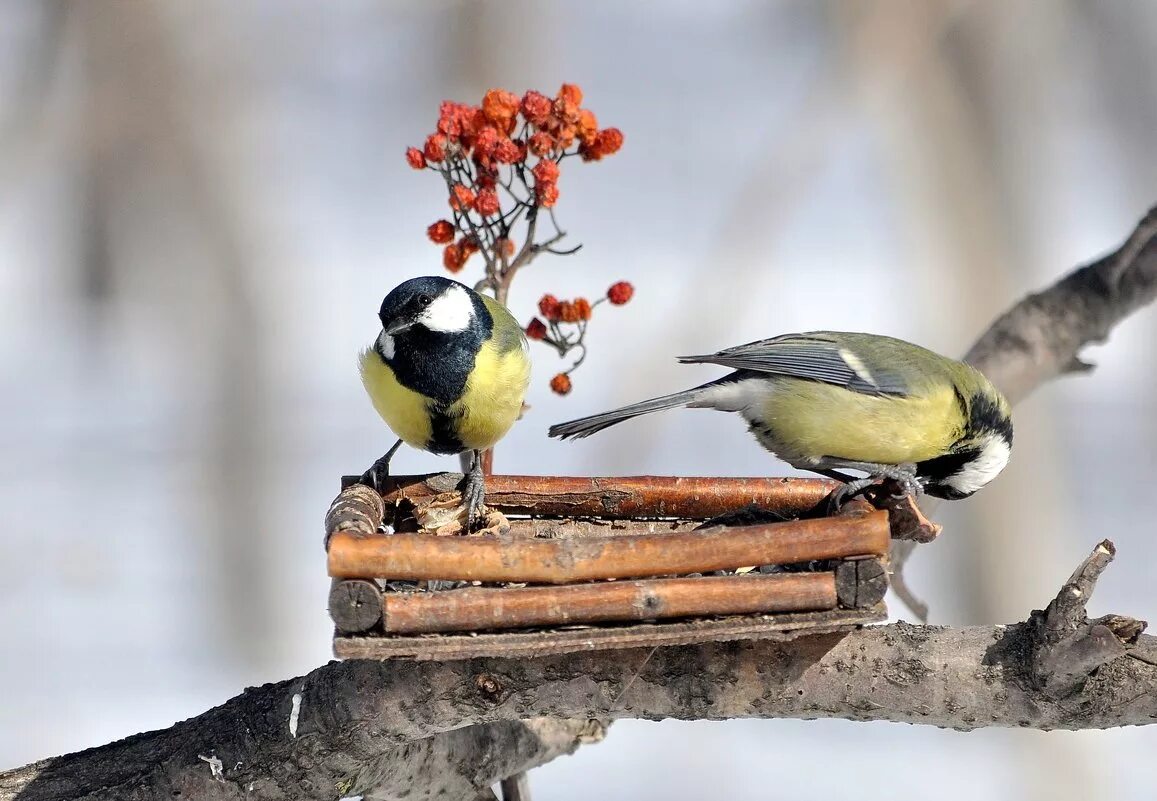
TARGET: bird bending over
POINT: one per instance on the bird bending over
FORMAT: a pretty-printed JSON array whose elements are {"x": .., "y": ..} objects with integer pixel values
[
  {"x": 448, "y": 374},
  {"x": 829, "y": 401}
]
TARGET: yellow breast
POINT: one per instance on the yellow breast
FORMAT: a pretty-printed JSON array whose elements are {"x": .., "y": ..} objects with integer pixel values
[
  {"x": 493, "y": 397},
  {"x": 809, "y": 418},
  {"x": 488, "y": 407},
  {"x": 405, "y": 411}
]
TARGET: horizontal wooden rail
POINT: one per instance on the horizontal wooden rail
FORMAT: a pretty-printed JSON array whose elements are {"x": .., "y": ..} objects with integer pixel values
[
  {"x": 541, "y": 561},
  {"x": 481, "y": 609},
  {"x": 627, "y": 497}
]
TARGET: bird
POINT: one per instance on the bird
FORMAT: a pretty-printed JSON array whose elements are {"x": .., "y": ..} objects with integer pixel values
[
  {"x": 832, "y": 401},
  {"x": 447, "y": 373}
]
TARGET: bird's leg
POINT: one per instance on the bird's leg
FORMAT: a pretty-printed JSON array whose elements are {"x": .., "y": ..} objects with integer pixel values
[
  {"x": 473, "y": 488},
  {"x": 375, "y": 477},
  {"x": 905, "y": 475}
]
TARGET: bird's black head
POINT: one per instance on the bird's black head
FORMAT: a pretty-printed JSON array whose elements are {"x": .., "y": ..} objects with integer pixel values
[{"x": 432, "y": 303}]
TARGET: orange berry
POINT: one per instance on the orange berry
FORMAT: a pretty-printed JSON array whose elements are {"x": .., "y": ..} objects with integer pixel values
[
  {"x": 541, "y": 143},
  {"x": 549, "y": 307},
  {"x": 487, "y": 203},
  {"x": 486, "y": 142},
  {"x": 505, "y": 247},
  {"x": 582, "y": 308},
  {"x": 535, "y": 107},
  {"x": 448, "y": 119},
  {"x": 415, "y": 158},
  {"x": 546, "y": 171},
  {"x": 568, "y": 312},
  {"x": 461, "y": 198},
  {"x": 472, "y": 120},
  {"x": 588, "y": 126},
  {"x": 453, "y": 258},
  {"x": 609, "y": 141},
  {"x": 560, "y": 384},
  {"x": 500, "y": 106},
  {"x": 546, "y": 193},
  {"x": 565, "y": 110},
  {"x": 435, "y": 149},
  {"x": 572, "y": 93},
  {"x": 508, "y": 152},
  {"x": 441, "y": 232}
]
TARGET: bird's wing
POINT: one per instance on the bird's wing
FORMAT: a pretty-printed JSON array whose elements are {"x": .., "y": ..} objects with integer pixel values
[{"x": 815, "y": 356}]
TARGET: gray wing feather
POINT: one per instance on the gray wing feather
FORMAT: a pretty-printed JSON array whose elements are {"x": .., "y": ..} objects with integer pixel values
[{"x": 817, "y": 357}]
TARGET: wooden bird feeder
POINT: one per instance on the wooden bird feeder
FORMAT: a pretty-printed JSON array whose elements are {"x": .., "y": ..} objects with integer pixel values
[{"x": 574, "y": 564}]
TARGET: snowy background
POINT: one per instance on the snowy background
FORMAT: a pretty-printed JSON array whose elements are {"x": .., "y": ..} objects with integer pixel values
[{"x": 202, "y": 204}]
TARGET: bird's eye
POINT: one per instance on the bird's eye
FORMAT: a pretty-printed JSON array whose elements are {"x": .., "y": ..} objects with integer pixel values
[{"x": 424, "y": 300}]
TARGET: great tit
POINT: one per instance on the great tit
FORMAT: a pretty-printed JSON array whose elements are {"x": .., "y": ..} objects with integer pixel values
[
  {"x": 828, "y": 401},
  {"x": 447, "y": 373}
]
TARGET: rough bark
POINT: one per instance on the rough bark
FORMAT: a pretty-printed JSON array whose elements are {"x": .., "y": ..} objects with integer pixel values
[
  {"x": 245, "y": 749},
  {"x": 378, "y": 728}
]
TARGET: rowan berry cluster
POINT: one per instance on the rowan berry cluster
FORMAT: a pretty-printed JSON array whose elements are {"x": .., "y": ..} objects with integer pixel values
[
  {"x": 566, "y": 326},
  {"x": 501, "y": 161}
]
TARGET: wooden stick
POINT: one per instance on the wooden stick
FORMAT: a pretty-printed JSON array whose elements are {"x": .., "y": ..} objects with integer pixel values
[
  {"x": 417, "y": 556},
  {"x": 534, "y": 643},
  {"x": 861, "y": 582},
  {"x": 628, "y": 497},
  {"x": 355, "y": 605},
  {"x": 479, "y": 608}
]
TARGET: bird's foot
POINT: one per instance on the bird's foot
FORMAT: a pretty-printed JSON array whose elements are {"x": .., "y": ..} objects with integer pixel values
[
  {"x": 846, "y": 492},
  {"x": 897, "y": 487},
  {"x": 375, "y": 477},
  {"x": 903, "y": 486},
  {"x": 473, "y": 489}
]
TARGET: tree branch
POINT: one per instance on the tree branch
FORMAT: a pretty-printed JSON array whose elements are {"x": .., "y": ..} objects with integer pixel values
[
  {"x": 1040, "y": 337},
  {"x": 245, "y": 749},
  {"x": 380, "y": 729},
  {"x": 369, "y": 727}
]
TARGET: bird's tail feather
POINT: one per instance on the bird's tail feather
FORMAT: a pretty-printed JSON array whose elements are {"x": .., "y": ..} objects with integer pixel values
[{"x": 585, "y": 426}]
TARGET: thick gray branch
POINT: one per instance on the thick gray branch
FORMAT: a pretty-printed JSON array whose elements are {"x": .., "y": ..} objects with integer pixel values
[
  {"x": 416, "y": 725},
  {"x": 1040, "y": 337},
  {"x": 244, "y": 749}
]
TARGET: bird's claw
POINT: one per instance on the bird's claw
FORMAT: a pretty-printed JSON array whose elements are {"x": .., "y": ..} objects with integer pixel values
[
  {"x": 896, "y": 486},
  {"x": 843, "y": 493},
  {"x": 375, "y": 477},
  {"x": 473, "y": 491}
]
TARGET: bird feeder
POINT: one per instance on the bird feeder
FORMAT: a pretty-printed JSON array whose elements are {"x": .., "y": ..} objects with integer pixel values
[{"x": 577, "y": 564}]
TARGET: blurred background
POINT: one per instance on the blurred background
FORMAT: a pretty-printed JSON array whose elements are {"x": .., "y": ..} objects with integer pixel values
[{"x": 201, "y": 206}]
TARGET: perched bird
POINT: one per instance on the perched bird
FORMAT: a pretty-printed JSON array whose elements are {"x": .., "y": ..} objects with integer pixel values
[
  {"x": 828, "y": 401},
  {"x": 447, "y": 373}
]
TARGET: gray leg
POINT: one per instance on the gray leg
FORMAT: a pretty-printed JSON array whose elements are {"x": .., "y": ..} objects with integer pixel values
[
  {"x": 904, "y": 474},
  {"x": 473, "y": 489},
  {"x": 375, "y": 477}
]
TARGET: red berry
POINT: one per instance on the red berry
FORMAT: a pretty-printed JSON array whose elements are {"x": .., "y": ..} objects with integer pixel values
[{"x": 620, "y": 293}]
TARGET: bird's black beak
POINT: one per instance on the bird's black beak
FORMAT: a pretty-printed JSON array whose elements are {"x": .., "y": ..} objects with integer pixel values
[{"x": 396, "y": 326}]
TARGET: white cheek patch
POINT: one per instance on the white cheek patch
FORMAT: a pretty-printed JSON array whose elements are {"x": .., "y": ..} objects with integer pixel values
[
  {"x": 451, "y": 311},
  {"x": 386, "y": 345},
  {"x": 986, "y": 466}
]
